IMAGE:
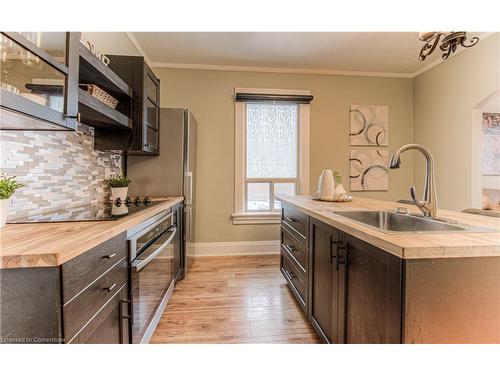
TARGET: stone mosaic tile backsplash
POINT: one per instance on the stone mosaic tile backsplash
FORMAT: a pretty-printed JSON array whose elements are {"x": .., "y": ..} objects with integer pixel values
[{"x": 59, "y": 168}]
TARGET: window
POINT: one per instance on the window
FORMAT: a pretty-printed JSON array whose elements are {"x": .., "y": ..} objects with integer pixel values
[
  {"x": 272, "y": 157},
  {"x": 271, "y": 153}
]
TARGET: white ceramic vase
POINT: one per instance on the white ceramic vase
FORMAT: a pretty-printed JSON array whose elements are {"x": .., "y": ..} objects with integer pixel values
[
  {"x": 4, "y": 211},
  {"x": 326, "y": 186},
  {"x": 340, "y": 192},
  {"x": 119, "y": 192}
]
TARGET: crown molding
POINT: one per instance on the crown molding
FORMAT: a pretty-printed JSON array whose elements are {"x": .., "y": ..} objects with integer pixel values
[
  {"x": 138, "y": 47},
  {"x": 234, "y": 68}
]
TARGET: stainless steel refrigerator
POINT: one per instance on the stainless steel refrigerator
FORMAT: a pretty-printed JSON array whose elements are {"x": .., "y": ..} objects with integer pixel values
[{"x": 173, "y": 172}]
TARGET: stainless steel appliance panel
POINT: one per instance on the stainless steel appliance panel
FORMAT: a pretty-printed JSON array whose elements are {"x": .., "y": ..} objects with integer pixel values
[
  {"x": 190, "y": 159},
  {"x": 152, "y": 273},
  {"x": 161, "y": 175},
  {"x": 173, "y": 172}
]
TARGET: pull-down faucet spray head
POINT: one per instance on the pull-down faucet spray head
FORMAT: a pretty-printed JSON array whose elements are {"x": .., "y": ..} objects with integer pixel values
[
  {"x": 429, "y": 203},
  {"x": 395, "y": 161}
]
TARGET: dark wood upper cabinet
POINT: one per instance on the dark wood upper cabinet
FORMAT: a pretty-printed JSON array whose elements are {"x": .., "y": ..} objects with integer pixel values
[
  {"x": 39, "y": 80},
  {"x": 324, "y": 280},
  {"x": 93, "y": 112},
  {"x": 43, "y": 80},
  {"x": 146, "y": 94},
  {"x": 372, "y": 294}
]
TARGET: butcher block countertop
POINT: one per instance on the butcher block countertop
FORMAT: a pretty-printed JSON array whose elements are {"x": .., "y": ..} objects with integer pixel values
[
  {"x": 52, "y": 244},
  {"x": 416, "y": 245}
]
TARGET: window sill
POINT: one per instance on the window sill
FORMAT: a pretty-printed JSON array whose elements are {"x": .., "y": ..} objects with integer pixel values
[{"x": 256, "y": 218}]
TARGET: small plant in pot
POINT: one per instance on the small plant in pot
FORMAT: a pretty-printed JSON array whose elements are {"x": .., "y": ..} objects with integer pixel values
[
  {"x": 8, "y": 186},
  {"x": 119, "y": 186}
]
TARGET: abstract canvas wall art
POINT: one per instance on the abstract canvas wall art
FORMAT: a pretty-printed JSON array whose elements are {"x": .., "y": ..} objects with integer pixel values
[
  {"x": 369, "y": 169},
  {"x": 369, "y": 125},
  {"x": 491, "y": 144}
]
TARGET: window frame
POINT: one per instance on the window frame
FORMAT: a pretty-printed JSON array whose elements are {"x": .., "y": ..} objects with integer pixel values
[{"x": 241, "y": 215}]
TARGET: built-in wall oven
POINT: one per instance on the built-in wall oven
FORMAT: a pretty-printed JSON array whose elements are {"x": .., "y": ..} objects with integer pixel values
[{"x": 154, "y": 248}]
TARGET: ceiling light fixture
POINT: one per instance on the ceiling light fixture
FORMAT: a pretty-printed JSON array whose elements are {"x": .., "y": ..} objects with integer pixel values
[{"x": 449, "y": 44}]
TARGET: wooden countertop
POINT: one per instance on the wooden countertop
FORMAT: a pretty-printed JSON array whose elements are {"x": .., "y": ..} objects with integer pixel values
[
  {"x": 407, "y": 245},
  {"x": 52, "y": 244}
]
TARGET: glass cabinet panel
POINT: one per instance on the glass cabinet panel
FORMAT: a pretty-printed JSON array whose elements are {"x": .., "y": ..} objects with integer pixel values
[
  {"x": 54, "y": 43},
  {"x": 151, "y": 89},
  {"x": 27, "y": 75},
  {"x": 151, "y": 138},
  {"x": 151, "y": 114}
]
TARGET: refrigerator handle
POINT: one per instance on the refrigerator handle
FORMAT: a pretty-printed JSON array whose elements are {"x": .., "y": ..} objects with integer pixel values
[{"x": 188, "y": 191}]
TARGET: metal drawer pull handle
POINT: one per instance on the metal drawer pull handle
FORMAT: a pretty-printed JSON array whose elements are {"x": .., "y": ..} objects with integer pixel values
[
  {"x": 124, "y": 316},
  {"x": 109, "y": 256},
  {"x": 291, "y": 275},
  {"x": 291, "y": 248},
  {"x": 110, "y": 288},
  {"x": 290, "y": 219}
]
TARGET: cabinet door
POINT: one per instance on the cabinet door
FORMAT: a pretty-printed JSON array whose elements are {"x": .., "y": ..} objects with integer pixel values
[
  {"x": 151, "y": 110},
  {"x": 371, "y": 292},
  {"x": 111, "y": 325},
  {"x": 324, "y": 280},
  {"x": 39, "y": 78}
]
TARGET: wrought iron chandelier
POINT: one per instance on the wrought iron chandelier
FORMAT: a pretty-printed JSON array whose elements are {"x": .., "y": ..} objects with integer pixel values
[{"x": 448, "y": 45}]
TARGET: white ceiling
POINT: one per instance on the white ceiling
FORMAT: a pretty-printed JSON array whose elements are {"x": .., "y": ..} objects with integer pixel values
[{"x": 378, "y": 53}]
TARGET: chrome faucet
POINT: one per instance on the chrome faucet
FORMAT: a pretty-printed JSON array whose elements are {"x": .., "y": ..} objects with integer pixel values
[{"x": 428, "y": 205}]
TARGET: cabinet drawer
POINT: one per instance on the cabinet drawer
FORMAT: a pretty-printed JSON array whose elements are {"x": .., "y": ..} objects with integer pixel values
[
  {"x": 296, "y": 221},
  {"x": 295, "y": 278},
  {"x": 84, "y": 269},
  {"x": 294, "y": 248},
  {"x": 110, "y": 325},
  {"x": 80, "y": 310}
]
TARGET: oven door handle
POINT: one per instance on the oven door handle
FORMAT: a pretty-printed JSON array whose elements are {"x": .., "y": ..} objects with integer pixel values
[{"x": 139, "y": 264}]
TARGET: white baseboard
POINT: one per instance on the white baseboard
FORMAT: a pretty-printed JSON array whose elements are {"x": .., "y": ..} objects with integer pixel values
[{"x": 236, "y": 248}]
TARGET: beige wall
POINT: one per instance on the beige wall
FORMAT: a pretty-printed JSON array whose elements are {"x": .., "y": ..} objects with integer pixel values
[
  {"x": 209, "y": 95},
  {"x": 444, "y": 99},
  {"x": 111, "y": 43}
]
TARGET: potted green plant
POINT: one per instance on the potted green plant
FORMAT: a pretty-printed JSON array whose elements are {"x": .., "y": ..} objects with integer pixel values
[
  {"x": 8, "y": 186},
  {"x": 340, "y": 192},
  {"x": 119, "y": 186}
]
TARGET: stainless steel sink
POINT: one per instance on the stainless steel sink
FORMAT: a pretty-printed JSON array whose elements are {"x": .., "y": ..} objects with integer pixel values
[{"x": 395, "y": 222}]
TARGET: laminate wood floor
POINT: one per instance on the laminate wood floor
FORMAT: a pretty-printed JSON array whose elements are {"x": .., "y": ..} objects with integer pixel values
[{"x": 241, "y": 299}]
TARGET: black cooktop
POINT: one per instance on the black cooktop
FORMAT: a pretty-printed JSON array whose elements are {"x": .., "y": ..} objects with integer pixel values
[{"x": 108, "y": 210}]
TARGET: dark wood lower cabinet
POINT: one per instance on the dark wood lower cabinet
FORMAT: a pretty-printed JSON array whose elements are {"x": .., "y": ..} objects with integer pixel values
[
  {"x": 110, "y": 325},
  {"x": 372, "y": 294},
  {"x": 296, "y": 279},
  {"x": 324, "y": 281},
  {"x": 30, "y": 305},
  {"x": 355, "y": 290},
  {"x": 47, "y": 305}
]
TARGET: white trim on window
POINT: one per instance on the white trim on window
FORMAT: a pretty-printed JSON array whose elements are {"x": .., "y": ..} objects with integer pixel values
[
  {"x": 240, "y": 215},
  {"x": 257, "y": 218}
]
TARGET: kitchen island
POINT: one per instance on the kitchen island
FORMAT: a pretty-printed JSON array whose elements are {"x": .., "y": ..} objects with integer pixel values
[{"x": 359, "y": 284}]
